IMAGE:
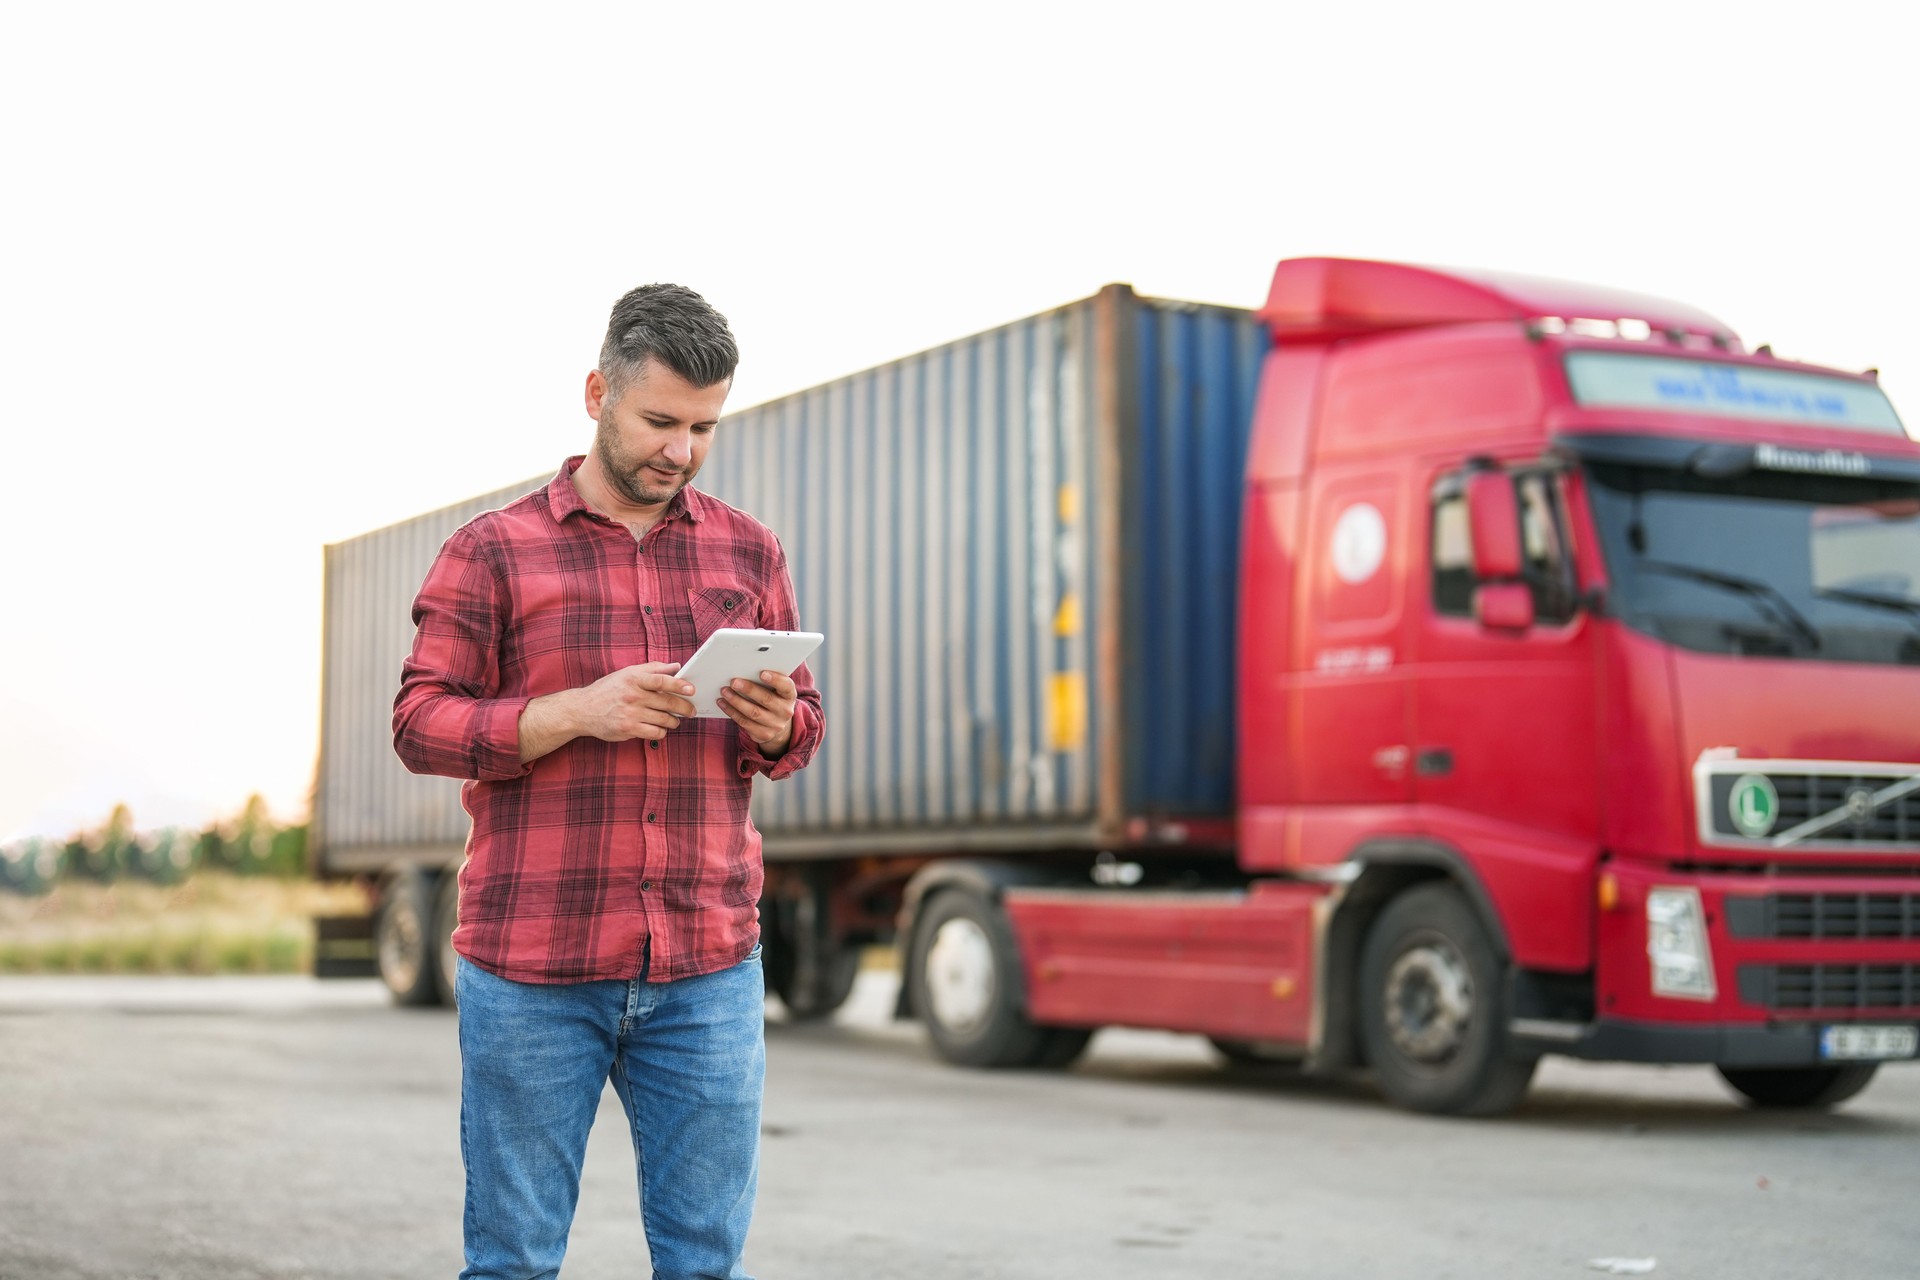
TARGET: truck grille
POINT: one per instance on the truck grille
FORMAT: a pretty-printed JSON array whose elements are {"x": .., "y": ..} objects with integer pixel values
[
  {"x": 1893, "y": 916},
  {"x": 1834, "y": 987},
  {"x": 1809, "y": 795},
  {"x": 1799, "y": 791}
]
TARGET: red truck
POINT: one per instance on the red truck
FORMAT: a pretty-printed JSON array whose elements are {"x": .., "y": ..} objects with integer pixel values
[{"x": 1429, "y": 671}]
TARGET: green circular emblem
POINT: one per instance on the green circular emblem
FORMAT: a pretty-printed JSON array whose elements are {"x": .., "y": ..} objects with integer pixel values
[{"x": 1753, "y": 804}]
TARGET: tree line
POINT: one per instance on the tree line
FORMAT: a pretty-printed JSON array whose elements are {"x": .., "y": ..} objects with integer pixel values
[{"x": 251, "y": 843}]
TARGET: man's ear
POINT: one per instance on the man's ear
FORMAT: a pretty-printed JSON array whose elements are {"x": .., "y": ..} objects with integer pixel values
[{"x": 596, "y": 394}]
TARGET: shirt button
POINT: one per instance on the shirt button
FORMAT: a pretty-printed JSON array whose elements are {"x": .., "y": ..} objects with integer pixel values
[
  {"x": 649, "y": 608},
  {"x": 646, "y": 886},
  {"x": 654, "y": 746},
  {"x": 652, "y": 816}
]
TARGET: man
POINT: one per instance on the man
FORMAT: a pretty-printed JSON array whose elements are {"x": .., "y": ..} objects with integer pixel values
[{"x": 608, "y": 924}]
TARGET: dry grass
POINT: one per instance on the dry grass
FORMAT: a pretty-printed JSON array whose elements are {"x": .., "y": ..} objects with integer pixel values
[{"x": 213, "y": 923}]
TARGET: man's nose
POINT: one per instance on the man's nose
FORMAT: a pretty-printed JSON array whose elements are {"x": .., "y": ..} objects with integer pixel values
[{"x": 679, "y": 448}]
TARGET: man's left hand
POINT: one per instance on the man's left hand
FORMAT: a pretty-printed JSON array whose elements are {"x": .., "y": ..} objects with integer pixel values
[{"x": 764, "y": 710}]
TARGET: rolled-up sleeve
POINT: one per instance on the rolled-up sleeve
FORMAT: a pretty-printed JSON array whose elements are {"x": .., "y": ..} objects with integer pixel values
[
  {"x": 448, "y": 718},
  {"x": 780, "y": 612}
]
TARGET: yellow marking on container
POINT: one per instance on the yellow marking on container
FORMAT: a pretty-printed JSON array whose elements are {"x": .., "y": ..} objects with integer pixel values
[
  {"x": 1066, "y": 619},
  {"x": 1283, "y": 988},
  {"x": 1066, "y": 711},
  {"x": 1069, "y": 503}
]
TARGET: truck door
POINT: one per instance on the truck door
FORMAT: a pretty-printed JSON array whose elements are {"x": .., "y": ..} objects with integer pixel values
[
  {"x": 1504, "y": 715},
  {"x": 1350, "y": 743}
]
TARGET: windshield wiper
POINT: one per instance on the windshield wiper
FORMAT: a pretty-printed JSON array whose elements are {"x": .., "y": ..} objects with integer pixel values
[
  {"x": 1899, "y": 604},
  {"x": 1765, "y": 596}
]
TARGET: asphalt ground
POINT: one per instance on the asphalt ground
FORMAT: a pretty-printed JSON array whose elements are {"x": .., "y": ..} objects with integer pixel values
[{"x": 274, "y": 1129}]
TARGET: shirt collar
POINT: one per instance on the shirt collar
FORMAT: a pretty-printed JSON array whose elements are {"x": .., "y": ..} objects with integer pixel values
[{"x": 564, "y": 500}]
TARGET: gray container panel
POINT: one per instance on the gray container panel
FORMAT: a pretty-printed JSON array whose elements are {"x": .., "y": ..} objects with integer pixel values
[
  {"x": 952, "y": 577},
  {"x": 364, "y": 798}
]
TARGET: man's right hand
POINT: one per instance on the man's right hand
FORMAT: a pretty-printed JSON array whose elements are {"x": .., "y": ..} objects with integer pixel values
[{"x": 633, "y": 702}]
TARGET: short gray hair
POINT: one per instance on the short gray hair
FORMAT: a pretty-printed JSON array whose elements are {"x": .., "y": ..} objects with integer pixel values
[{"x": 674, "y": 325}]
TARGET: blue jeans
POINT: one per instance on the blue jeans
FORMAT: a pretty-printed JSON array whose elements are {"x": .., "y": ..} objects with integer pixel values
[{"x": 688, "y": 1059}]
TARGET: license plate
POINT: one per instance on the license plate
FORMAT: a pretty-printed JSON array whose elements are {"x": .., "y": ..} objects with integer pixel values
[{"x": 1869, "y": 1042}]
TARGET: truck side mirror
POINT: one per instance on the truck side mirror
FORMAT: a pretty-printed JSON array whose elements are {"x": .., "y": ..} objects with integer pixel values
[
  {"x": 1501, "y": 602},
  {"x": 1493, "y": 513},
  {"x": 1504, "y": 606}
]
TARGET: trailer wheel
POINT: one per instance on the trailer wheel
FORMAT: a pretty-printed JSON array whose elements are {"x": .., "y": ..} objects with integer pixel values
[
  {"x": 1799, "y": 1086},
  {"x": 446, "y": 917},
  {"x": 830, "y": 985},
  {"x": 966, "y": 982},
  {"x": 1432, "y": 1008},
  {"x": 402, "y": 938}
]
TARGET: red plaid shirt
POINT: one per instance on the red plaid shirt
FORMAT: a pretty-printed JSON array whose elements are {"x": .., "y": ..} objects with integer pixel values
[{"x": 581, "y": 860}]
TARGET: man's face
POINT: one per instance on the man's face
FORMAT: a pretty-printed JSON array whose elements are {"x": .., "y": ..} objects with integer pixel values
[{"x": 652, "y": 441}]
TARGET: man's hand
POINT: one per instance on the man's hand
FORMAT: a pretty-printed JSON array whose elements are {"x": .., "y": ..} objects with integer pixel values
[
  {"x": 633, "y": 702},
  {"x": 764, "y": 710}
]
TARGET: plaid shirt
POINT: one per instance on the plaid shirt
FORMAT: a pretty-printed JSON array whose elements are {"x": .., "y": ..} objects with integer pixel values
[{"x": 582, "y": 860}]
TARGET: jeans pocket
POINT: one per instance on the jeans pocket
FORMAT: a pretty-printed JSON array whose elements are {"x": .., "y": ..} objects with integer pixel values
[{"x": 753, "y": 956}]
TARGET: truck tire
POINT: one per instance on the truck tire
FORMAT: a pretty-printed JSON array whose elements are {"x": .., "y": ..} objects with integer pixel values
[
  {"x": 403, "y": 938},
  {"x": 1432, "y": 1008},
  {"x": 1252, "y": 1053},
  {"x": 966, "y": 985},
  {"x": 830, "y": 985},
  {"x": 446, "y": 917},
  {"x": 1799, "y": 1086},
  {"x": 1062, "y": 1047}
]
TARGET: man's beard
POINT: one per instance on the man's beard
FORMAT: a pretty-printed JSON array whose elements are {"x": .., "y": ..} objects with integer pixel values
[{"x": 625, "y": 476}]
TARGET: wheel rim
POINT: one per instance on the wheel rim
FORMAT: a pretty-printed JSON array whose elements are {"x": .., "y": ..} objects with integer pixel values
[
  {"x": 960, "y": 975},
  {"x": 401, "y": 952},
  {"x": 1429, "y": 1002}
]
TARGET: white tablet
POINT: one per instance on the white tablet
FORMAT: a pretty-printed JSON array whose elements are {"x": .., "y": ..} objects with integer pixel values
[{"x": 733, "y": 653}]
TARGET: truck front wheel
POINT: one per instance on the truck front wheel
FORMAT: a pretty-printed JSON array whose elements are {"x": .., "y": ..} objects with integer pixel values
[
  {"x": 1799, "y": 1086},
  {"x": 1432, "y": 1008},
  {"x": 966, "y": 984}
]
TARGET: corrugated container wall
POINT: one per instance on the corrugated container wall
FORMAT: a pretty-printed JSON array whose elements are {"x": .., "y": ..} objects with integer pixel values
[
  {"x": 1022, "y": 548},
  {"x": 368, "y": 810}
]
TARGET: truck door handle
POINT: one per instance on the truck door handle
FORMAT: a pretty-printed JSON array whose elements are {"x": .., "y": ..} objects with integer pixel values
[
  {"x": 1434, "y": 762},
  {"x": 1391, "y": 761}
]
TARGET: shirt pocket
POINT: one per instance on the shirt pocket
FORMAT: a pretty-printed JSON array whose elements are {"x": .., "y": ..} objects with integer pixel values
[{"x": 717, "y": 607}]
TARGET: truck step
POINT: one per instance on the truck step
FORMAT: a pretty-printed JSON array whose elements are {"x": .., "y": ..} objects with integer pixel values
[{"x": 1235, "y": 965}]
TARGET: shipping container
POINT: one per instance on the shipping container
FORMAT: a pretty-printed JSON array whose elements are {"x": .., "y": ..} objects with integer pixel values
[{"x": 1022, "y": 549}]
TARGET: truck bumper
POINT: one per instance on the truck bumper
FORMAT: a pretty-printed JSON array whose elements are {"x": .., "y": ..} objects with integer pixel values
[{"x": 1793, "y": 1044}]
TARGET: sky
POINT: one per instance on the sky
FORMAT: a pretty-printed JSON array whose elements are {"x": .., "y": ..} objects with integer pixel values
[{"x": 276, "y": 275}]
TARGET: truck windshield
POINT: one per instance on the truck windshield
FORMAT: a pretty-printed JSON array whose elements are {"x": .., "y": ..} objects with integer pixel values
[{"x": 1782, "y": 565}]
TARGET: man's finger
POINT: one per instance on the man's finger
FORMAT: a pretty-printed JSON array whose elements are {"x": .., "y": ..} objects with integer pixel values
[
  {"x": 748, "y": 691},
  {"x": 761, "y": 728},
  {"x": 780, "y": 684},
  {"x": 663, "y": 682}
]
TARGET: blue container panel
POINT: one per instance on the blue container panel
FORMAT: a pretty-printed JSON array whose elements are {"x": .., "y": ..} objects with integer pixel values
[{"x": 1195, "y": 375}]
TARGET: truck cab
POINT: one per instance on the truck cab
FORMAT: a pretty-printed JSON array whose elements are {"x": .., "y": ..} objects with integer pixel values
[{"x": 1615, "y": 627}]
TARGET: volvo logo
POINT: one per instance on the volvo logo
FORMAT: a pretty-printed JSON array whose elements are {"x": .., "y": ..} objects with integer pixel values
[
  {"x": 1860, "y": 806},
  {"x": 1753, "y": 804}
]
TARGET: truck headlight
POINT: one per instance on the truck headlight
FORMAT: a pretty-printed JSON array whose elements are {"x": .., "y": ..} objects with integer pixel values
[{"x": 1677, "y": 944}]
